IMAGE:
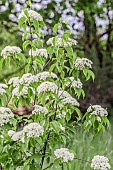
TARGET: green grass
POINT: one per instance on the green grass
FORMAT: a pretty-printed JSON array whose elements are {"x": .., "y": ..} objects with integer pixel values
[{"x": 86, "y": 147}]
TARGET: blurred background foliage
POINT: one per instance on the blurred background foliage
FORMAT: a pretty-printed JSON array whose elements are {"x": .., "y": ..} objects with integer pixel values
[{"x": 92, "y": 27}]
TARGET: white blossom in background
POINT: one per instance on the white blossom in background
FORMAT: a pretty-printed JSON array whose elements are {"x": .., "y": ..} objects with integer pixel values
[
  {"x": 39, "y": 52},
  {"x": 100, "y": 163},
  {"x": 81, "y": 63},
  {"x": 44, "y": 75},
  {"x": 47, "y": 86},
  {"x": 32, "y": 15},
  {"x": 61, "y": 42},
  {"x": 9, "y": 50},
  {"x": 27, "y": 78},
  {"x": 18, "y": 136},
  {"x": 5, "y": 115},
  {"x": 97, "y": 110},
  {"x": 2, "y": 87},
  {"x": 64, "y": 154},
  {"x": 14, "y": 81},
  {"x": 11, "y": 133},
  {"x": 63, "y": 94},
  {"x": 62, "y": 128},
  {"x": 39, "y": 109},
  {"x": 74, "y": 83},
  {"x": 70, "y": 100},
  {"x": 33, "y": 130}
]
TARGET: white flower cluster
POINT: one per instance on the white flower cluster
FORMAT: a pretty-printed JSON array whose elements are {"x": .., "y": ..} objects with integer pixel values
[
  {"x": 80, "y": 63},
  {"x": 100, "y": 163},
  {"x": 18, "y": 136},
  {"x": 39, "y": 109},
  {"x": 39, "y": 52},
  {"x": 67, "y": 98},
  {"x": 33, "y": 130},
  {"x": 11, "y": 133},
  {"x": 61, "y": 42},
  {"x": 63, "y": 94},
  {"x": 16, "y": 92},
  {"x": 32, "y": 15},
  {"x": 47, "y": 86},
  {"x": 9, "y": 50},
  {"x": 74, "y": 83},
  {"x": 44, "y": 75},
  {"x": 2, "y": 87},
  {"x": 64, "y": 154},
  {"x": 27, "y": 78},
  {"x": 70, "y": 100},
  {"x": 61, "y": 115},
  {"x": 5, "y": 115},
  {"x": 97, "y": 110},
  {"x": 14, "y": 81}
]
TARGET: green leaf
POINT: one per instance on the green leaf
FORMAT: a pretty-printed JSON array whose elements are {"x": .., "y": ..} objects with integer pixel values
[
  {"x": 55, "y": 126},
  {"x": 52, "y": 67},
  {"x": 26, "y": 43},
  {"x": 21, "y": 21},
  {"x": 26, "y": 167},
  {"x": 55, "y": 27},
  {"x": 91, "y": 74},
  {"x": 68, "y": 116}
]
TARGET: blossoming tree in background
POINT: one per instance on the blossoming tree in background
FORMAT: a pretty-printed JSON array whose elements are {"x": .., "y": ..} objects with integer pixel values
[{"x": 41, "y": 143}]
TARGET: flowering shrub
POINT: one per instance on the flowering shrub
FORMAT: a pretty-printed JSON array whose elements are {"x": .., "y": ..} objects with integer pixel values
[{"x": 39, "y": 144}]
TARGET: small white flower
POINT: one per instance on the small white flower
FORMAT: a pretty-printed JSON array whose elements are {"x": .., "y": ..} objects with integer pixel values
[
  {"x": 62, "y": 128},
  {"x": 61, "y": 42},
  {"x": 80, "y": 63},
  {"x": 9, "y": 50},
  {"x": 14, "y": 81},
  {"x": 39, "y": 109},
  {"x": 5, "y": 115},
  {"x": 64, "y": 154},
  {"x": 61, "y": 115},
  {"x": 70, "y": 100},
  {"x": 100, "y": 163},
  {"x": 33, "y": 130},
  {"x": 47, "y": 86},
  {"x": 39, "y": 52},
  {"x": 11, "y": 133},
  {"x": 2, "y": 87},
  {"x": 97, "y": 110},
  {"x": 74, "y": 83},
  {"x": 17, "y": 136},
  {"x": 32, "y": 15}
]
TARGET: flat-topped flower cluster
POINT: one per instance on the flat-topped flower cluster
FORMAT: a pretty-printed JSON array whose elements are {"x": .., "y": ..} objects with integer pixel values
[
  {"x": 97, "y": 110},
  {"x": 64, "y": 154},
  {"x": 31, "y": 130},
  {"x": 61, "y": 42},
  {"x": 100, "y": 163},
  {"x": 81, "y": 63},
  {"x": 31, "y": 15},
  {"x": 10, "y": 50},
  {"x": 5, "y": 115}
]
